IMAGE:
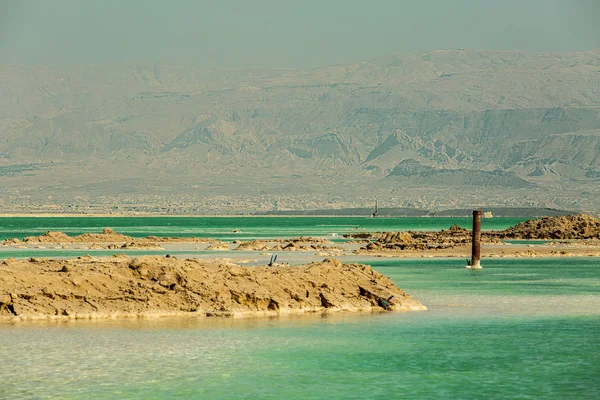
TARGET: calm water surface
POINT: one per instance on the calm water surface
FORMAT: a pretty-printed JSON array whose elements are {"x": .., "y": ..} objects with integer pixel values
[
  {"x": 222, "y": 227},
  {"x": 523, "y": 329}
]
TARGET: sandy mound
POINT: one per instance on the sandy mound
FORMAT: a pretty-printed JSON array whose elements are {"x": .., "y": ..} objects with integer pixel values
[
  {"x": 49, "y": 237},
  {"x": 296, "y": 244},
  {"x": 107, "y": 236},
  {"x": 578, "y": 226},
  {"x": 113, "y": 286},
  {"x": 255, "y": 245},
  {"x": 396, "y": 237},
  {"x": 421, "y": 241},
  {"x": 218, "y": 246}
]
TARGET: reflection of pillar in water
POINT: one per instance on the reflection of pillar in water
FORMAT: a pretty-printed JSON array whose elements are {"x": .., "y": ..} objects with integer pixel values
[{"x": 476, "y": 242}]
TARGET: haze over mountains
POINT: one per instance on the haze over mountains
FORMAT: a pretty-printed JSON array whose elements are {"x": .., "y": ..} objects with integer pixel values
[{"x": 438, "y": 129}]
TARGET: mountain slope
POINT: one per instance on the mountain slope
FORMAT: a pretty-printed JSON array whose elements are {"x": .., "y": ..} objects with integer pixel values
[{"x": 516, "y": 128}]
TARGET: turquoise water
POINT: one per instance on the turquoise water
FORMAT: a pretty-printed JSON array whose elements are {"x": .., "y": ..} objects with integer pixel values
[
  {"x": 520, "y": 328},
  {"x": 221, "y": 227},
  {"x": 523, "y": 328},
  {"x": 527, "y": 241}
]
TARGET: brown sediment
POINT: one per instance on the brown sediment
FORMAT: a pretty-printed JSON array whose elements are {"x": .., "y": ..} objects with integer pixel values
[
  {"x": 119, "y": 286},
  {"x": 296, "y": 244},
  {"x": 108, "y": 239},
  {"x": 583, "y": 232},
  {"x": 577, "y": 226},
  {"x": 218, "y": 246},
  {"x": 422, "y": 241}
]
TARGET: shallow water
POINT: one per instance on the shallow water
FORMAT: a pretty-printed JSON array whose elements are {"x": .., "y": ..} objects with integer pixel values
[
  {"x": 222, "y": 227},
  {"x": 526, "y": 328}
]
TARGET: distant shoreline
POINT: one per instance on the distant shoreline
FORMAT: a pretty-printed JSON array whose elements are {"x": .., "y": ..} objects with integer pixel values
[
  {"x": 342, "y": 213},
  {"x": 153, "y": 215},
  {"x": 44, "y": 215}
]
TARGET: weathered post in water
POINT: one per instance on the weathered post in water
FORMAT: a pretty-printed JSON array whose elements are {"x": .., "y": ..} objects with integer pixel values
[{"x": 476, "y": 241}]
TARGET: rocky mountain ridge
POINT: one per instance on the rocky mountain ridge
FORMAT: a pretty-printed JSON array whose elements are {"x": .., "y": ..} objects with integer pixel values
[{"x": 494, "y": 128}]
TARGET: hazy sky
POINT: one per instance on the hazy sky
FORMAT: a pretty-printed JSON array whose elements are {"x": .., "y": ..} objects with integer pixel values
[{"x": 282, "y": 33}]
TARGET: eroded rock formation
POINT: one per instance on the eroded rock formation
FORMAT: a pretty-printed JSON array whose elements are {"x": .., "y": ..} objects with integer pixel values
[
  {"x": 108, "y": 239},
  {"x": 120, "y": 286},
  {"x": 578, "y": 226}
]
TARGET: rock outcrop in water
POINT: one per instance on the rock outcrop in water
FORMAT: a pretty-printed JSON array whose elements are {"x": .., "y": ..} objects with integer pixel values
[
  {"x": 575, "y": 227},
  {"x": 107, "y": 239},
  {"x": 416, "y": 240},
  {"x": 295, "y": 244},
  {"x": 578, "y": 226},
  {"x": 120, "y": 286}
]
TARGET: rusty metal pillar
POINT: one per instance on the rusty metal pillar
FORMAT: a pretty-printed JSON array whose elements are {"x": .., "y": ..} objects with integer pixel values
[{"x": 476, "y": 242}]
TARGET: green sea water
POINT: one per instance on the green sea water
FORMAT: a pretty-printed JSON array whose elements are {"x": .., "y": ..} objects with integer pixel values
[
  {"x": 518, "y": 329},
  {"x": 526, "y": 329},
  {"x": 222, "y": 227},
  {"x": 211, "y": 227}
]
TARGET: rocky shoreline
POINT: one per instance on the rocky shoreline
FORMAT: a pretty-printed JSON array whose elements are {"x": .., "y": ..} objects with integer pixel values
[
  {"x": 564, "y": 236},
  {"x": 120, "y": 286},
  {"x": 108, "y": 239},
  {"x": 572, "y": 235}
]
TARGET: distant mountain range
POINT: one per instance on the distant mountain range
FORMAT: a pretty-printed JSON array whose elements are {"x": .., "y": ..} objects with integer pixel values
[{"x": 434, "y": 130}]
